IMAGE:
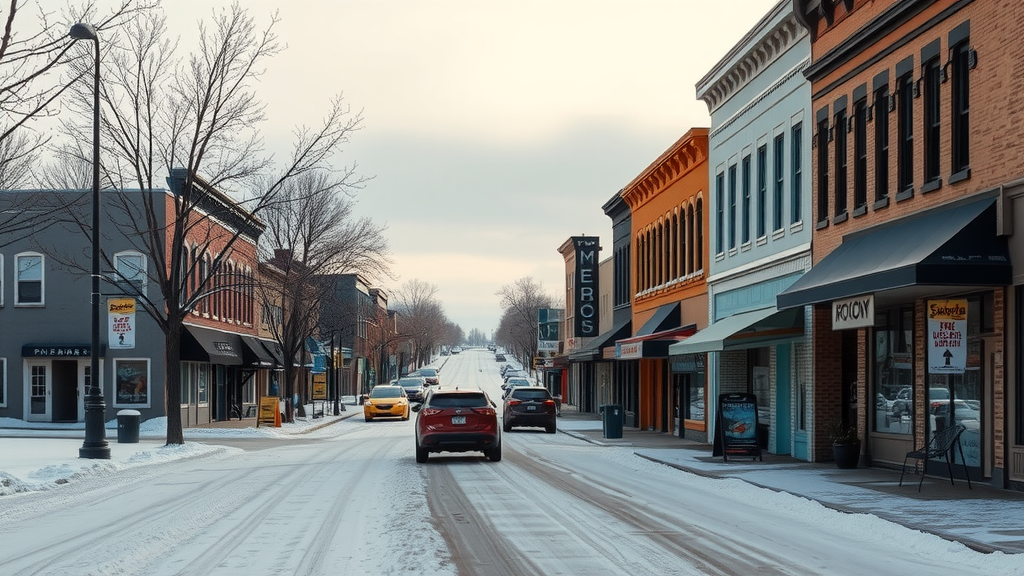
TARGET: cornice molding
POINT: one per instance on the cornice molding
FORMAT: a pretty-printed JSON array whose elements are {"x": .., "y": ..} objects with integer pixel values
[
  {"x": 689, "y": 152},
  {"x": 765, "y": 51}
]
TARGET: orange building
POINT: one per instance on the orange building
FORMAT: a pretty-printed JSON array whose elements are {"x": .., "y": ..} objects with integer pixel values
[{"x": 669, "y": 222}]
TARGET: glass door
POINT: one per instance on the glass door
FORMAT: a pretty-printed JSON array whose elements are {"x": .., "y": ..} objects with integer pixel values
[{"x": 39, "y": 402}]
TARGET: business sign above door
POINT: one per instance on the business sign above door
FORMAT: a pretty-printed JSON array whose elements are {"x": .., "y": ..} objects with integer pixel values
[
  {"x": 856, "y": 312},
  {"x": 56, "y": 350}
]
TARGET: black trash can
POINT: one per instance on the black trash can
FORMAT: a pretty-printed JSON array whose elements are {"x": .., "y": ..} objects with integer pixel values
[
  {"x": 611, "y": 420},
  {"x": 128, "y": 426}
]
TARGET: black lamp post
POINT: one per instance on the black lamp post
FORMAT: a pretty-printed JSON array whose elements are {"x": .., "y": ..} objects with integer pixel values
[{"x": 95, "y": 445}]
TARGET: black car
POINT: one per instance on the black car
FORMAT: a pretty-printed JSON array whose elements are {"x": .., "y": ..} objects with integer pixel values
[
  {"x": 499, "y": 357},
  {"x": 415, "y": 387},
  {"x": 529, "y": 406}
]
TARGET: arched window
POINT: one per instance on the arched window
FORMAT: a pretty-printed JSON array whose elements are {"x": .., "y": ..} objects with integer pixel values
[
  {"x": 691, "y": 262},
  {"x": 681, "y": 242},
  {"x": 698, "y": 235}
]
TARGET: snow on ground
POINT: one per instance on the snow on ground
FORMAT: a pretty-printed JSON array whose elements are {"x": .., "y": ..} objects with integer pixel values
[{"x": 36, "y": 456}]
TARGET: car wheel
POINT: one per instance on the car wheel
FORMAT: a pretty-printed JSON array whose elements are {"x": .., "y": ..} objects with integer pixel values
[
  {"x": 506, "y": 426},
  {"x": 421, "y": 454},
  {"x": 494, "y": 453},
  {"x": 367, "y": 418},
  {"x": 552, "y": 429}
]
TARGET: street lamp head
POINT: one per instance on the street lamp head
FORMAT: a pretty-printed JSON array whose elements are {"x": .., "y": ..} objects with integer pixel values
[{"x": 83, "y": 31}]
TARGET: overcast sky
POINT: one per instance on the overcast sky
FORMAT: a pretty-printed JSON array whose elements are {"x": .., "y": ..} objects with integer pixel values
[{"x": 494, "y": 130}]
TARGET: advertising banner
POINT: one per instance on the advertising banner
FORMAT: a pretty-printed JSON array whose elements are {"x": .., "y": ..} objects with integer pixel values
[
  {"x": 548, "y": 320},
  {"x": 121, "y": 320},
  {"x": 736, "y": 427},
  {"x": 947, "y": 336},
  {"x": 585, "y": 290}
]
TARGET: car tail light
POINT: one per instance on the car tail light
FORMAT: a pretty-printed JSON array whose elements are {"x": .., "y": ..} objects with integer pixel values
[
  {"x": 549, "y": 402},
  {"x": 514, "y": 402},
  {"x": 431, "y": 411},
  {"x": 485, "y": 411}
]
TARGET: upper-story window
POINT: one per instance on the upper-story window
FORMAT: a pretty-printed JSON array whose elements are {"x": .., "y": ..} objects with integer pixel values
[
  {"x": 131, "y": 272},
  {"x": 796, "y": 182},
  {"x": 697, "y": 226},
  {"x": 745, "y": 178},
  {"x": 720, "y": 213},
  {"x": 1, "y": 279},
  {"x": 932, "y": 120},
  {"x": 905, "y": 131},
  {"x": 732, "y": 206},
  {"x": 762, "y": 190},
  {"x": 881, "y": 122},
  {"x": 840, "y": 144},
  {"x": 860, "y": 155},
  {"x": 29, "y": 279},
  {"x": 780, "y": 181},
  {"x": 960, "y": 79}
]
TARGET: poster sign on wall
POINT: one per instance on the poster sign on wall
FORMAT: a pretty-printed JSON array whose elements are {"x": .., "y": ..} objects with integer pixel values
[
  {"x": 736, "y": 426},
  {"x": 548, "y": 320},
  {"x": 947, "y": 336},
  {"x": 121, "y": 320}
]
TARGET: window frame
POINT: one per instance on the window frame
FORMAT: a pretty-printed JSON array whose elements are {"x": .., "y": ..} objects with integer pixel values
[
  {"x": 881, "y": 122},
  {"x": 720, "y": 213},
  {"x": 796, "y": 169},
  {"x": 841, "y": 150},
  {"x": 123, "y": 279},
  {"x": 778, "y": 200},
  {"x": 762, "y": 191},
  {"x": 905, "y": 135},
  {"x": 960, "y": 108},
  {"x": 932, "y": 120},
  {"x": 860, "y": 155},
  {"x": 18, "y": 280},
  {"x": 117, "y": 383},
  {"x": 745, "y": 177},
  {"x": 732, "y": 207},
  {"x": 822, "y": 146}
]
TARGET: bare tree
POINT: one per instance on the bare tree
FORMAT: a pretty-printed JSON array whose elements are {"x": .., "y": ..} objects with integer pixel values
[
  {"x": 312, "y": 231},
  {"x": 423, "y": 317},
  {"x": 517, "y": 330},
  {"x": 162, "y": 115}
]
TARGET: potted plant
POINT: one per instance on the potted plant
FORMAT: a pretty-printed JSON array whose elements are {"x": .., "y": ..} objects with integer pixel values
[{"x": 845, "y": 444}]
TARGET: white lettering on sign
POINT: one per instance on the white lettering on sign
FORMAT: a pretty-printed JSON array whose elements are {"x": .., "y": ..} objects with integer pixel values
[
  {"x": 856, "y": 312},
  {"x": 585, "y": 294}
]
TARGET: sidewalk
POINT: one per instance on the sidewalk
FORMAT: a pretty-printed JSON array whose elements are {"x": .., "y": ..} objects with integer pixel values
[{"x": 984, "y": 518}]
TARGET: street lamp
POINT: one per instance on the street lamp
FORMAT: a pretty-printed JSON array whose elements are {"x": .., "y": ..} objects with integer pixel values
[{"x": 95, "y": 445}]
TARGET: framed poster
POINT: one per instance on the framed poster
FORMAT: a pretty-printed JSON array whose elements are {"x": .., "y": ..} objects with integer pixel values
[{"x": 737, "y": 426}]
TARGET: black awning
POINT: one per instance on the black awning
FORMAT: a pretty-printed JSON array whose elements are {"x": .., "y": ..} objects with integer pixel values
[
  {"x": 666, "y": 317},
  {"x": 951, "y": 246},
  {"x": 255, "y": 354},
  {"x": 206, "y": 345},
  {"x": 592, "y": 351}
]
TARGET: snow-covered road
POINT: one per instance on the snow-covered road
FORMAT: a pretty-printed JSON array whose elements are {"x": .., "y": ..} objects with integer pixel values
[{"x": 350, "y": 499}]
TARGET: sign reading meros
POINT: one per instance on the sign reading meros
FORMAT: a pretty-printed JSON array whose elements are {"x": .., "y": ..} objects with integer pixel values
[{"x": 585, "y": 291}]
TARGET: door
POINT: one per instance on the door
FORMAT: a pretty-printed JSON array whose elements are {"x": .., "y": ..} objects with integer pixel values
[
  {"x": 64, "y": 387},
  {"x": 783, "y": 394},
  {"x": 37, "y": 375}
]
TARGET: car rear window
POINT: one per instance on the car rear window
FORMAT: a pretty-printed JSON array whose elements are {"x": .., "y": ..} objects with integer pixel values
[
  {"x": 458, "y": 400},
  {"x": 386, "y": 392},
  {"x": 428, "y": 372},
  {"x": 531, "y": 394}
]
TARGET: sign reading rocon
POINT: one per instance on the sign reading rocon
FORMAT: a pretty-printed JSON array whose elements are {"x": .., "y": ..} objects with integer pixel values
[{"x": 585, "y": 292}]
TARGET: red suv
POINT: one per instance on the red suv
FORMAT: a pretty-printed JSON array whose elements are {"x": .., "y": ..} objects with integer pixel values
[{"x": 457, "y": 421}]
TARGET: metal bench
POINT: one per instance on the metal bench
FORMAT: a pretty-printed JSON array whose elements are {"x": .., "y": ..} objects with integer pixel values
[{"x": 940, "y": 445}]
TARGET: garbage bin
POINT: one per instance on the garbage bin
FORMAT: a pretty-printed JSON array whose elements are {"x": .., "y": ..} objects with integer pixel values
[
  {"x": 128, "y": 426},
  {"x": 611, "y": 420}
]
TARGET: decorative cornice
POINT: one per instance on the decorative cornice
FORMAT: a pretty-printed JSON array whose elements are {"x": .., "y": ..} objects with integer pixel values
[
  {"x": 686, "y": 154},
  {"x": 766, "y": 50}
]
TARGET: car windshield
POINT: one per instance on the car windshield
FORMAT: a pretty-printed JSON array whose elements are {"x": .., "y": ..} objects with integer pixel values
[
  {"x": 518, "y": 382},
  {"x": 410, "y": 382},
  {"x": 386, "y": 392},
  {"x": 458, "y": 401},
  {"x": 531, "y": 394},
  {"x": 427, "y": 372}
]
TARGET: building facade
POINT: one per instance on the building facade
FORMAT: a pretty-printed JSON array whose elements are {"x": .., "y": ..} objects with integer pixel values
[{"x": 760, "y": 230}]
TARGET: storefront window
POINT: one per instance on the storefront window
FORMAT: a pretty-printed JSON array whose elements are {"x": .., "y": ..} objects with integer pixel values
[
  {"x": 894, "y": 374},
  {"x": 694, "y": 402}
]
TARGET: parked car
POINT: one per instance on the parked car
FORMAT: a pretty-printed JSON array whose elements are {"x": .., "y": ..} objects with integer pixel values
[
  {"x": 529, "y": 406},
  {"x": 499, "y": 357},
  {"x": 430, "y": 375},
  {"x": 386, "y": 401},
  {"x": 515, "y": 374},
  {"x": 457, "y": 421},
  {"x": 456, "y": 349},
  {"x": 963, "y": 413},
  {"x": 415, "y": 387}
]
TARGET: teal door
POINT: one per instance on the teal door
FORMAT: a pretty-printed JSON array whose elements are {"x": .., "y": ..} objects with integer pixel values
[{"x": 783, "y": 404}]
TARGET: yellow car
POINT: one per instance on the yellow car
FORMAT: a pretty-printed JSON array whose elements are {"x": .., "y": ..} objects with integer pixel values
[{"x": 387, "y": 402}]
